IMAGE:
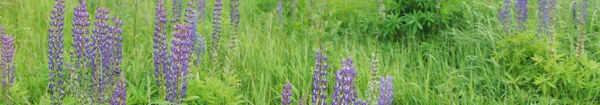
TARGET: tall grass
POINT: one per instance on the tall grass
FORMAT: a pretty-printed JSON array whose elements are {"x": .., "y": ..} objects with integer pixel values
[{"x": 455, "y": 67}]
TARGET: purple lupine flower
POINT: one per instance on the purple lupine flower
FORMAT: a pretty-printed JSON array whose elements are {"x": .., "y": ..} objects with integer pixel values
[
  {"x": 504, "y": 16},
  {"x": 200, "y": 44},
  {"x": 55, "y": 51},
  {"x": 116, "y": 51},
  {"x": 191, "y": 36},
  {"x": 522, "y": 14},
  {"x": 344, "y": 91},
  {"x": 98, "y": 55},
  {"x": 7, "y": 66},
  {"x": 216, "y": 29},
  {"x": 319, "y": 81},
  {"x": 544, "y": 18},
  {"x": 580, "y": 25},
  {"x": 120, "y": 93},
  {"x": 80, "y": 25},
  {"x": 286, "y": 94},
  {"x": 161, "y": 60},
  {"x": 387, "y": 91},
  {"x": 235, "y": 21},
  {"x": 180, "y": 49},
  {"x": 177, "y": 11}
]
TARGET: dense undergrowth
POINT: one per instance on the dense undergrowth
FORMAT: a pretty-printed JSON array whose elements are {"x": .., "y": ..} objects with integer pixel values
[{"x": 468, "y": 60}]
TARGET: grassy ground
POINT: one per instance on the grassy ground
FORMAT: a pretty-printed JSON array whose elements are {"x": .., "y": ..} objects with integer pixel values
[{"x": 455, "y": 67}]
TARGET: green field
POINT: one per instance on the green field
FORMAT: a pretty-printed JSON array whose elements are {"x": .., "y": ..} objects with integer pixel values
[{"x": 469, "y": 61}]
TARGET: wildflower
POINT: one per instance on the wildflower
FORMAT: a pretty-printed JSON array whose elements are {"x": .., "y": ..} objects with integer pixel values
[
  {"x": 80, "y": 25},
  {"x": 344, "y": 90},
  {"x": 373, "y": 85},
  {"x": 161, "y": 60},
  {"x": 181, "y": 49},
  {"x": 544, "y": 17},
  {"x": 319, "y": 81},
  {"x": 504, "y": 16},
  {"x": 7, "y": 65},
  {"x": 522, "y": 14},
  {"x": 286, "y": 94},
  {"x": 216, "y": 30},
  {"x": 580, "y": 23},
  {"x": 386, "y": 91},
  {"x": 120, "y": 93},
  {"x": 177, "y": 11},
  {"x": 200, "y": 44},
  {"x": 55, "y": 50}
]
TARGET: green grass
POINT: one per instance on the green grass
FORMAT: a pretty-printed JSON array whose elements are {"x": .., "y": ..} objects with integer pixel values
[{"x": 454, "y": 67}]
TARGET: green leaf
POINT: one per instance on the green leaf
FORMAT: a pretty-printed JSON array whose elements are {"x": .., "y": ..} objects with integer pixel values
[
  {"x": 162, "y": 102},
  {"x": 191, "y": 98}
]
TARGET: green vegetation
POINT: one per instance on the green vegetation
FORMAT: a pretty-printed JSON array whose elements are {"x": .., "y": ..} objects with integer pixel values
[{"x": 465, "y": 58}]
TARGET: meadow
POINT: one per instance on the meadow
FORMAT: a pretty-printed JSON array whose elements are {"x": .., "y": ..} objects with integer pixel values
[{"x": 468, "y": 58}]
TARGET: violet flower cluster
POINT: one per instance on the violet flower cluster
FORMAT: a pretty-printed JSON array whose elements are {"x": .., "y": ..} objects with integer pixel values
[
  {"x": 544, "y": 17},
  {"x": 7, "y": 65},
  {"x": 161, "y": 60},
  {"x": 80, "y": 24},
  {"x": 580, "y": 26},
  {"x": 522, "y": 14},
  {"x": 177, "y": 11},
  {"x": 345, "y": 91},
  {"x": 216, "y": 29},
  {"x": 286, "y": 94},
  {"x": 386, "y": 91},
  {"x": 55, "y": 51},
  {"x": 504, "y": 16},
  {"x": 200, "y": 43},
  {"x": 181, "y": 50},
  {"x": 191, "y": 34},
  {"x": 120, "y": 93},
  {"x": 319, "y": 91}
]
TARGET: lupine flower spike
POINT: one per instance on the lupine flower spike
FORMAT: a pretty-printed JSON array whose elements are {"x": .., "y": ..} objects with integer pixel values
[
  {"x": 522, "y": 14},
  {"x": 55, "y": 51},
  {"x": 120, "y": 93},
  {"x": 286, "y": 94},
  {"x": 181, "y": 50},
  {"x": 344, "y": 91},
  {"x": 98, "y": 54},
  {"x": 235, "y": 20},
  {"x": 387, "y": 91},
  {"x": 177, "y": 11},
  {"x": 80, "y": 30},
  {"x": 191, "y": 26},
  {"x": 580, "y": 23},
  {"x": 551, "y": 10},
  {"x": 200, "y": 43},
  {"x": 7, "y": 66},
  {"x": 216, "y": 31},
  {"x": 544, "y": 18},
  {"x": 161, "y": 60},
  {"x": 374, "y": 84},
  {"x": 504, "y": 16},
  {"x": 319, "y": 93}
]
